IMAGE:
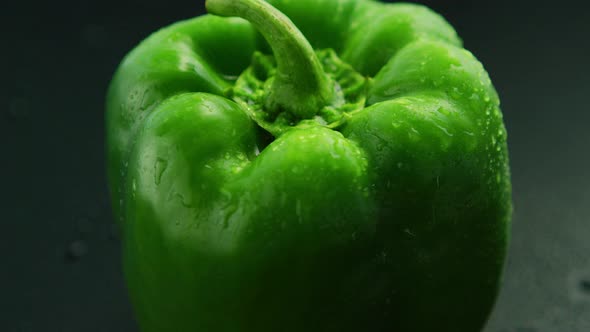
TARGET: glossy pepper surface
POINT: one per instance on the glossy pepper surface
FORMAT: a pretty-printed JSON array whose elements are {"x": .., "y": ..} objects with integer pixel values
[{"x": 325, "y": 165}]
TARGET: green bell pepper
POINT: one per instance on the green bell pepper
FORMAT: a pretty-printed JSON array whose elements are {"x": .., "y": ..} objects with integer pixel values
[{"x": 357, "y": 180}]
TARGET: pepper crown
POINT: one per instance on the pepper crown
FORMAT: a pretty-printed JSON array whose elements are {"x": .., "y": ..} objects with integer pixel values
[
  {"x": 300, "y": 87},
  {"x": 297, "y": 85}
]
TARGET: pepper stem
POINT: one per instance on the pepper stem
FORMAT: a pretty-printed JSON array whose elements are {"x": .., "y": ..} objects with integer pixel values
[{"x": 300, "y": 86}]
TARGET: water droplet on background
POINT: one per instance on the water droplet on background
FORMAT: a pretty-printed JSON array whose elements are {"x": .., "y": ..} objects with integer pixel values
[
  {"x": 76, "y": 250},
  {"x": 585, "y": 286},
  {"x": 579, "y": 286}
]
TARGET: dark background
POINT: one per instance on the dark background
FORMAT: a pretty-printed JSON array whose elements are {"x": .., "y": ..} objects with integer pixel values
[{"x": 60, "y": 266}]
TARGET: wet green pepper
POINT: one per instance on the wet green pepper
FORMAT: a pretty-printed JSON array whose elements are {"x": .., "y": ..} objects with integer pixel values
[{"x": 332, "y": 165}]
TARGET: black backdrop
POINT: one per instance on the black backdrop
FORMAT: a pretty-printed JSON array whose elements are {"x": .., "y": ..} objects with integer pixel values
[{"x": 60, "y": 267}]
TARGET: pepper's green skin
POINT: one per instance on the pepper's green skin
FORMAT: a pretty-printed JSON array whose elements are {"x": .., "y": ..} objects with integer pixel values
[{"x": 358, "y": 182}]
